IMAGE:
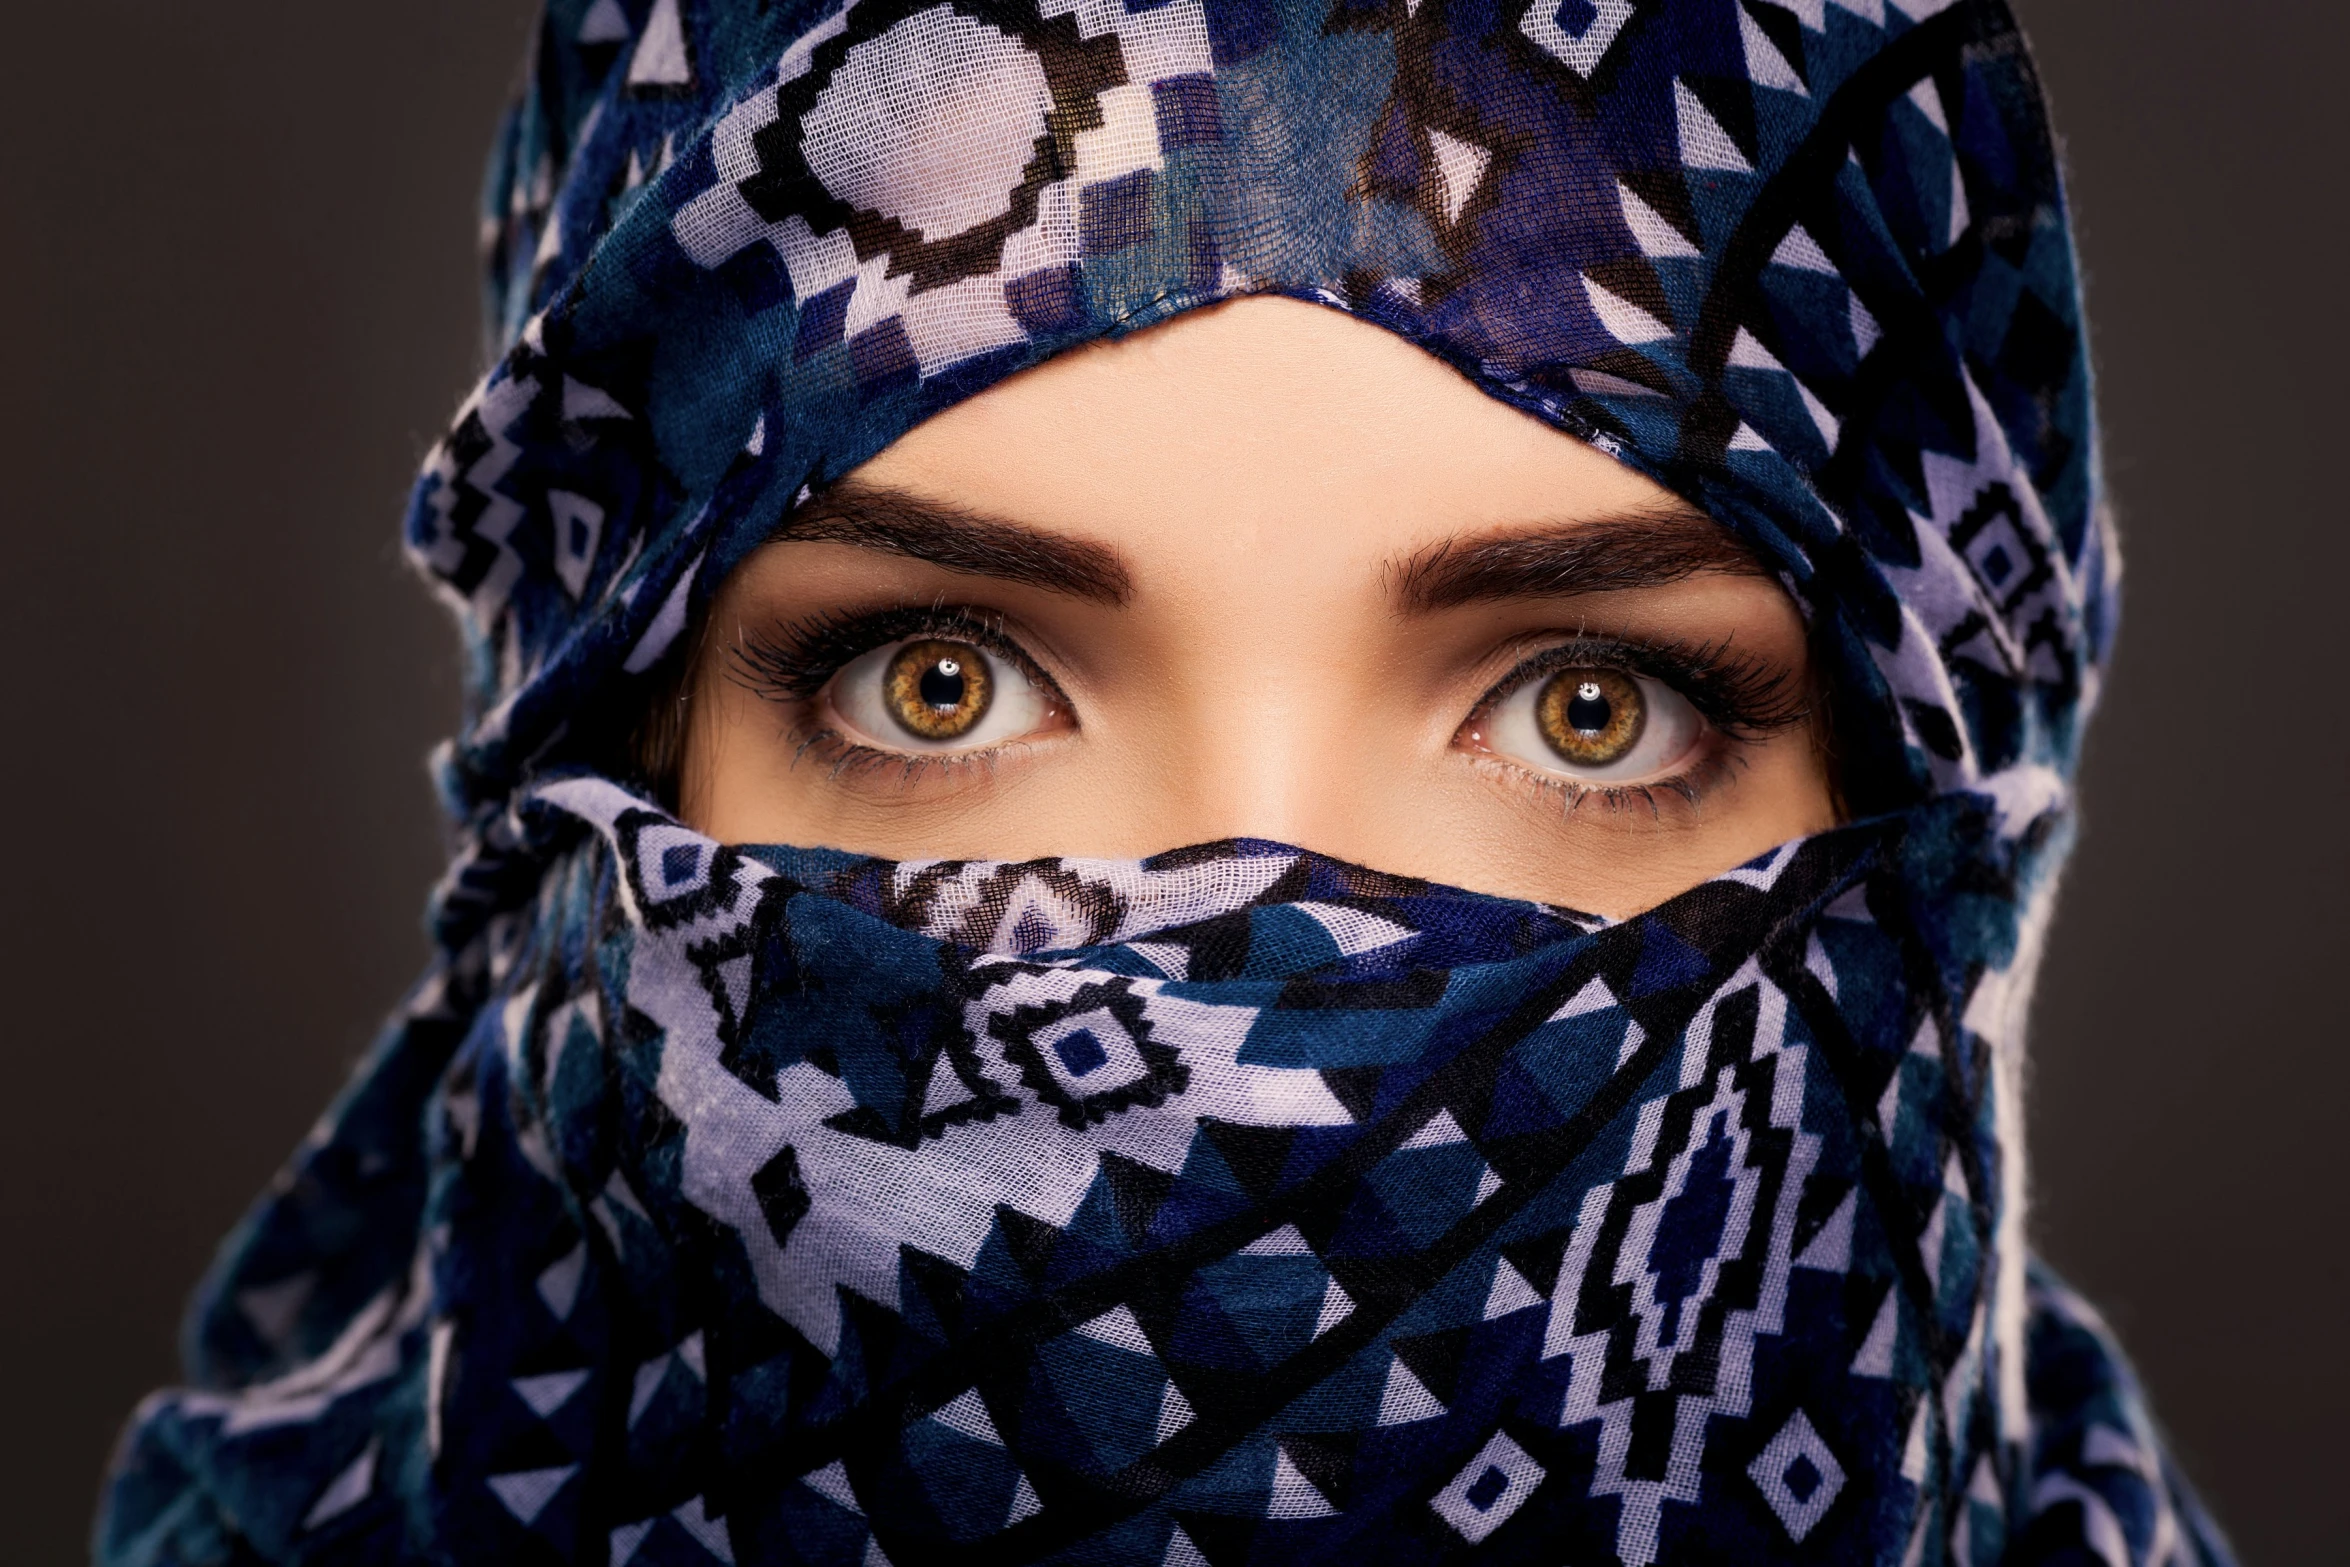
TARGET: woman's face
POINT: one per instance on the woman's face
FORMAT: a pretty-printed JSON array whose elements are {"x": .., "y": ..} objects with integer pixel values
[{"x": 1263, "y": 571}]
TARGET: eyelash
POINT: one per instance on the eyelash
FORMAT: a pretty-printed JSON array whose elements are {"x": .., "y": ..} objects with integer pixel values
[
  {"x": 794, "y": 665},
  {"x": 1741, "y": 697}
]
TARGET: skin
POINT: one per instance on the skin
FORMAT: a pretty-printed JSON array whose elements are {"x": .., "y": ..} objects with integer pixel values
[{"x": 1263, "y": 487}]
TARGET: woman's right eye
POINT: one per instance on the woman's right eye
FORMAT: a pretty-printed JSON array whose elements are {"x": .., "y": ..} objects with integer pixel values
[{"x": 934, "y": 694}]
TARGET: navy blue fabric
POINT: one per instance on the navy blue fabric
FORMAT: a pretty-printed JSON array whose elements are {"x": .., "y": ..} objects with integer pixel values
[{"x": 768, "y": 1204}]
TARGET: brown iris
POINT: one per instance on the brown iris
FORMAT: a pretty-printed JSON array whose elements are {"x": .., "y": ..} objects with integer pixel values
[
  {"x": 937, "y": 690},
  {"x": 1591, "y": 717}
]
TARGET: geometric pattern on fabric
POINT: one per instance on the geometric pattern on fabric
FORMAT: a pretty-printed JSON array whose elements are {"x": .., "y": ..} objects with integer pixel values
[
  {"x": 1515, "y": 1232},
  {"x": 1808, "y": 266},
  {"x": 762, "y": 1204}
]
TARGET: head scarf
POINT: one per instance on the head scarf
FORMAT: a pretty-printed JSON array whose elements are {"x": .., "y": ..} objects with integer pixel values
[{"x": 765, "y": 1204}]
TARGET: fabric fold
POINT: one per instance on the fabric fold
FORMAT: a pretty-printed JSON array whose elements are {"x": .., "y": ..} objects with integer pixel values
[{"x": 763, "y": 1204}]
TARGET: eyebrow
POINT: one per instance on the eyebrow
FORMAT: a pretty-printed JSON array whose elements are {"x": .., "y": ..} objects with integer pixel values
[
  {"x": 878, "y": 518},
  {"x": 1648, "y": 548}
]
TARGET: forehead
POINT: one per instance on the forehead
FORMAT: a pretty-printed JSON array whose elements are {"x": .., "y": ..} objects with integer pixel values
[{"x": 1256, "y": 419}]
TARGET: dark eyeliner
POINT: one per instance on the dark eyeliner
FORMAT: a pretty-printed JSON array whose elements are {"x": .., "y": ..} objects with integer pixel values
[
  {"x": 1740, "y": 695},
  {"x": 794, "y": 663}
]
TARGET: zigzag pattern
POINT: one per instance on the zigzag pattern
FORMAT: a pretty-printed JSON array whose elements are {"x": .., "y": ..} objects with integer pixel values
[{"x": 708, "y": 1203}]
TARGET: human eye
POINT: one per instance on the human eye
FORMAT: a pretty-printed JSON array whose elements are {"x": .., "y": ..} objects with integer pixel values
[
  {"x": 1596, "y": 725},
  {"x": 1626, "y": 720},
  {"x": 936, "y": 683},
  {"x": 929, "y": 694}
]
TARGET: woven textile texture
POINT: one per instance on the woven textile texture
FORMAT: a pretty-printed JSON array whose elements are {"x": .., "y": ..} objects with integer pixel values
[{"x": 760, "y": 1204}]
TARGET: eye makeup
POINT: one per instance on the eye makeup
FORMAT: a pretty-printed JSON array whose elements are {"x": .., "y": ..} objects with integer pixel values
[
  {"x": 795, "y": 665},
  {"x": 1743, "y": 695},
  {"x": 1593, "y": 696},
  {"x": 793, "y": 662},
  {"x": 1729, "y": 700}
]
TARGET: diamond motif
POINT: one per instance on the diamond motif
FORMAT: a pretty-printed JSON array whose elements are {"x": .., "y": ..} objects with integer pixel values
[
  {"x": 1491, "y": 1487},
  {"x": 1797, "y": 1475}
]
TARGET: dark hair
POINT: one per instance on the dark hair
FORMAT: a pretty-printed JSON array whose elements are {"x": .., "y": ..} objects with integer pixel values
[{"x": 651, "y": 753}]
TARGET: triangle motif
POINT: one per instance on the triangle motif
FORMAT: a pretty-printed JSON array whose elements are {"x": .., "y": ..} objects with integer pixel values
[
  {"x": 1117, "y": 1328},
  {"x": 346, "y": 1491},
  {"x": 1875, "y": 1357},
  {"x": 1336, "y": 1306},
  {"x": 1406, "y": 1398},
  {"x": 1865, "y": 331},
  {"x": 832, "y": 1483},
  {"x": 660, "y": 59},
  {"x": 1283, "y": 1242},
  {"x": 1765, "y": 65},
  {"x": 1913, "y": 1455},
  {"x": 1704, "y": 144},
  {"x": 708, "y": 1532},
  {"x": 1747, "y": 353},
  {"x": 1802, "y": 252},
  {"x": 527, "y": 1492},
  {"x": 1293, "y": 1495},
  {"x": 1624, "y": 321},
  {"x": 1510, "y": 1292},
  {"x": 1594, "y": 996},
  {"x": 1442, "y": 1131},
  {"x": 1460, "y": 165},
  {"x": 1928, "y": 98},
  {"x": 945, "y": 1090},
  {"x": 626, "y": 1538},
  {"x": 546, "y": 1394},
  {"x": 605, "y": 23},
  {"x": 1822, "y": 420},
  {"x": 558, "y": 1286},
  {"x": 969, "y": 1416},
  {"x": 1174, "y": 1412},
  {"x": 1831, "y": 1249}
]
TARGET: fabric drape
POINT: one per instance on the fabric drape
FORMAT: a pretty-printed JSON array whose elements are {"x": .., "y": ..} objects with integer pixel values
[{"x": 768, "y": 1204}]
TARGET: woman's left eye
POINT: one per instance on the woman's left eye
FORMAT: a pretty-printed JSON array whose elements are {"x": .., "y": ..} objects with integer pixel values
[
  {"x": 930, "y": 694},
  {"x": 1593, "y": 725}
]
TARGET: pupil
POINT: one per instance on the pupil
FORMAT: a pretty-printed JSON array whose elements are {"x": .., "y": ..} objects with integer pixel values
[
  {"x": 1588, "y": 710},
  {"x": 942, "y": 684}
]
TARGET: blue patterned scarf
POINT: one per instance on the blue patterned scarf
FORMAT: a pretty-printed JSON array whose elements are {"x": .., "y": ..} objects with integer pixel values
[{"x": 758, "y": 1204}]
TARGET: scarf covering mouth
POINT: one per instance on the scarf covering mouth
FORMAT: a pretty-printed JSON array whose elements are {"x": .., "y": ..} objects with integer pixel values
[{"x": 759, "y": 1204}]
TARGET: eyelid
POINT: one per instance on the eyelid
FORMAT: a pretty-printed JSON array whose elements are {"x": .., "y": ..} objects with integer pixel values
[
  {"x": 796, "y": 665},
  {"x": 1547, "y": 659},
  {"x": 1737, "y": 694}
]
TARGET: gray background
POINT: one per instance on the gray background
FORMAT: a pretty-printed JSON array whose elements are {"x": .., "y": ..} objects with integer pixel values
[{"x": 236, "y": 266}]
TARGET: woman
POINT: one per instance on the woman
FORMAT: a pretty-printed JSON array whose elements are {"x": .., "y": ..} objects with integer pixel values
[{"x": 1437, "y": 652}]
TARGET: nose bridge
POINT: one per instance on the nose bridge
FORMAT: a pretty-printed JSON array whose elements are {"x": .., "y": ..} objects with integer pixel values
[
  {"x": 1256, "y": 757},
  {"x": 1268, "y": 734}
]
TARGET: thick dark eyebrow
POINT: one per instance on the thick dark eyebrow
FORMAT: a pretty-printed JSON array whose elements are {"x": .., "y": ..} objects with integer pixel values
[
  {"x": 1643, "y": 549},
  {"x": 876, "y": 518}
]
